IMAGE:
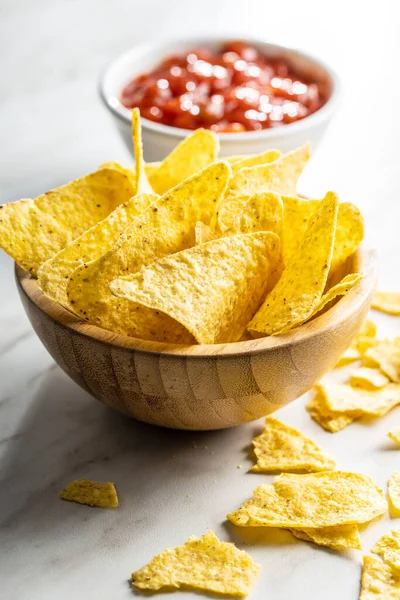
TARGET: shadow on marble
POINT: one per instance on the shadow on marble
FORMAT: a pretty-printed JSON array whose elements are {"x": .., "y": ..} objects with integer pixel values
[{"x": 66, "y": 434}]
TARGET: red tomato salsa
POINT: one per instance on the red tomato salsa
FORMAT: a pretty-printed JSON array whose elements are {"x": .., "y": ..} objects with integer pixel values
[{"x": 232, "y": 90}]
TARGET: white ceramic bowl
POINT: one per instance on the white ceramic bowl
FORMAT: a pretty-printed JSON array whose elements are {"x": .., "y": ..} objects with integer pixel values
[{"x": 159, "y": 140}]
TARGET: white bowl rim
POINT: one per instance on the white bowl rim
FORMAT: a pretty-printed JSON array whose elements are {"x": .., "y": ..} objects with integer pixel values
[{"x": 124, "y": 114}]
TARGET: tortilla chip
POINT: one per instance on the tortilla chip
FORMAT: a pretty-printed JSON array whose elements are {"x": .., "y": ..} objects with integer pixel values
[
  {"x": 32, "y": 231},
  {"x": 330, "y": 420},
  {"x": 204, "y": 233},
  {"x": 388, "y": 546},
  {"x": 349, "y": 356},
  {"x": 261, "y": 212},
  {"x": 337, "y": 538},
  {"x": 394, "y": 494},
  {"x": 378, "y": 581},
  {"x": 357, "y": 402},
  {"x": 364, "y": 339},
  {"x": 280, "y": 176},
  {"x": 296, "y": 215},
  {"x": 340, "y": 289},
  {"x": 203, "y": 563},
  {"x": 300, "y": 287},
  {"x": 142, "y": 183},
  {"x": 394, "y": 434},
  {"x": 368, "y": 378},
  {"x": 53, "y": 275},
  {"x": 283, "y": 448},
  {"x": 192, "y": 155},
  {"x": 314, "y": 500},
  {"x": 256, "y": 159},
  {"x": 84, "y": 491},
  {"x": 385, "y": 355},
  {"x": 164, "y": 229},
  {"x": 387, "y": 302},
  {"x": 212, "y": 289}
]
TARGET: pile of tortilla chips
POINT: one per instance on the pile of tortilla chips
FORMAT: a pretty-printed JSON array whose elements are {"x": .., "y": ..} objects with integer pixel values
[
  {"x": 192, "y": 250},
  {"x": 372, "y": 390},
  {"x": 325, "y": 507}
]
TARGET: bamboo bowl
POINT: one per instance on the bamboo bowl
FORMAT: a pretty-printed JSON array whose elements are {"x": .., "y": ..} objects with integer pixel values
[{"x": 206, "y": 386}]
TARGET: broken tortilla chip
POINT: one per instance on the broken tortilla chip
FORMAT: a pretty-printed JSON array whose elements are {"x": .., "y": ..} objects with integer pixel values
[
  {"x": 378, "y": 581},
  {"x": 368, "y": 378},
  {"x": 84, "y": 491},
  {"x": 385, "y": 354},
  {"x": 388, "y": 547},
  {"x": 330, "y": 420},
  {"x": 387, "y": 302},
  {"x": 341, "y": 537},
  {"x": 301, "y": 285},
  {"x": 357, "y": 402},
  {"x": 163, "y": 229},
  {"x": 192, "y": 155},
  {"x": 313, "y": 500},
  {"x": 212, "y": 289},
  {"x": 203, "y": 563},
  {"x": 32, "y": 231},
  {"x": 283, "y": 448},
  {"x": 53, "y": 275},
  {"x": 394, "y": 494}
]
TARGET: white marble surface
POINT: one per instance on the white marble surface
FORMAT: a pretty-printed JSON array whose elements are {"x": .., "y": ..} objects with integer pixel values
[{"x": 171, "y": 485}]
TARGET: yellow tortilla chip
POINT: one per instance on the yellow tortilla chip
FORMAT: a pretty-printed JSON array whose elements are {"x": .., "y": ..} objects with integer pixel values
[
  {"x": 163, "y": 229},
  {"x": 364, "y": 339},
  {"x": 368, "y": 378},
  {"x": 259, "y": 212},
  {"x": 280, "y": 176},
  {"x": 350, "y": 355},
  {"x": 192, "y": 155},
  {"x": 357, "y": 402},
  {"x": 296, "y": 215},
  {"x": 203, "y": 563},
  {"x": 283, "y": 448},
  {"x": 313, "y": 500},
  {"x": 84, "y": 491},
  {"x": 394, "y": 494},
  {"x": 301, "y": 285},
  {"x": 337, "y": 538},
  {"x": 330, "y": 420},
  {"x": 53, "y": 275},
  {"x": 378, "y": 581},
  {"x": 257, "y": 159},
  {"x": 212, "y": 289},
  {"x": 385, "y": 355},
  {"x": 387, "y": 302},
  {"x": 388, "y": 546},
  {"x": 142, "y": 183},
  {"x": 394, "y": 434},
  {"x": 204, "y": 233},
  {"x": 340, "y": 289},
  {"x": 32, "y": 231}
]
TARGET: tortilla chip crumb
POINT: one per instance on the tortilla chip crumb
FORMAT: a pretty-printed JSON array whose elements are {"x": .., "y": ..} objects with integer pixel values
[{"x": 92, "y": 493}]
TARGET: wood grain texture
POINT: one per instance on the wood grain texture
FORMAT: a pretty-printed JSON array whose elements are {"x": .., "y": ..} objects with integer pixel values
[{"x": 206, "y": 386}]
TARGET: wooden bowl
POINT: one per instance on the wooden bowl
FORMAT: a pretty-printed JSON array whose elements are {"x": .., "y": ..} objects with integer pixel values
[{"x": 206, "y": 386}]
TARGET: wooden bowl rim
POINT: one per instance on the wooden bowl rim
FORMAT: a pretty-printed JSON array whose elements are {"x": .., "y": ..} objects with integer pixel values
[{"x": 363, "y": 261}]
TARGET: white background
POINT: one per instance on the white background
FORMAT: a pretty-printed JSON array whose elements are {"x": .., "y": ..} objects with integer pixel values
[{"x": 53, "y": 128}]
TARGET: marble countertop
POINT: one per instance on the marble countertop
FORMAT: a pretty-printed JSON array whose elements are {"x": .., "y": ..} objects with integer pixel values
[{"x": 171, "y": 484}]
